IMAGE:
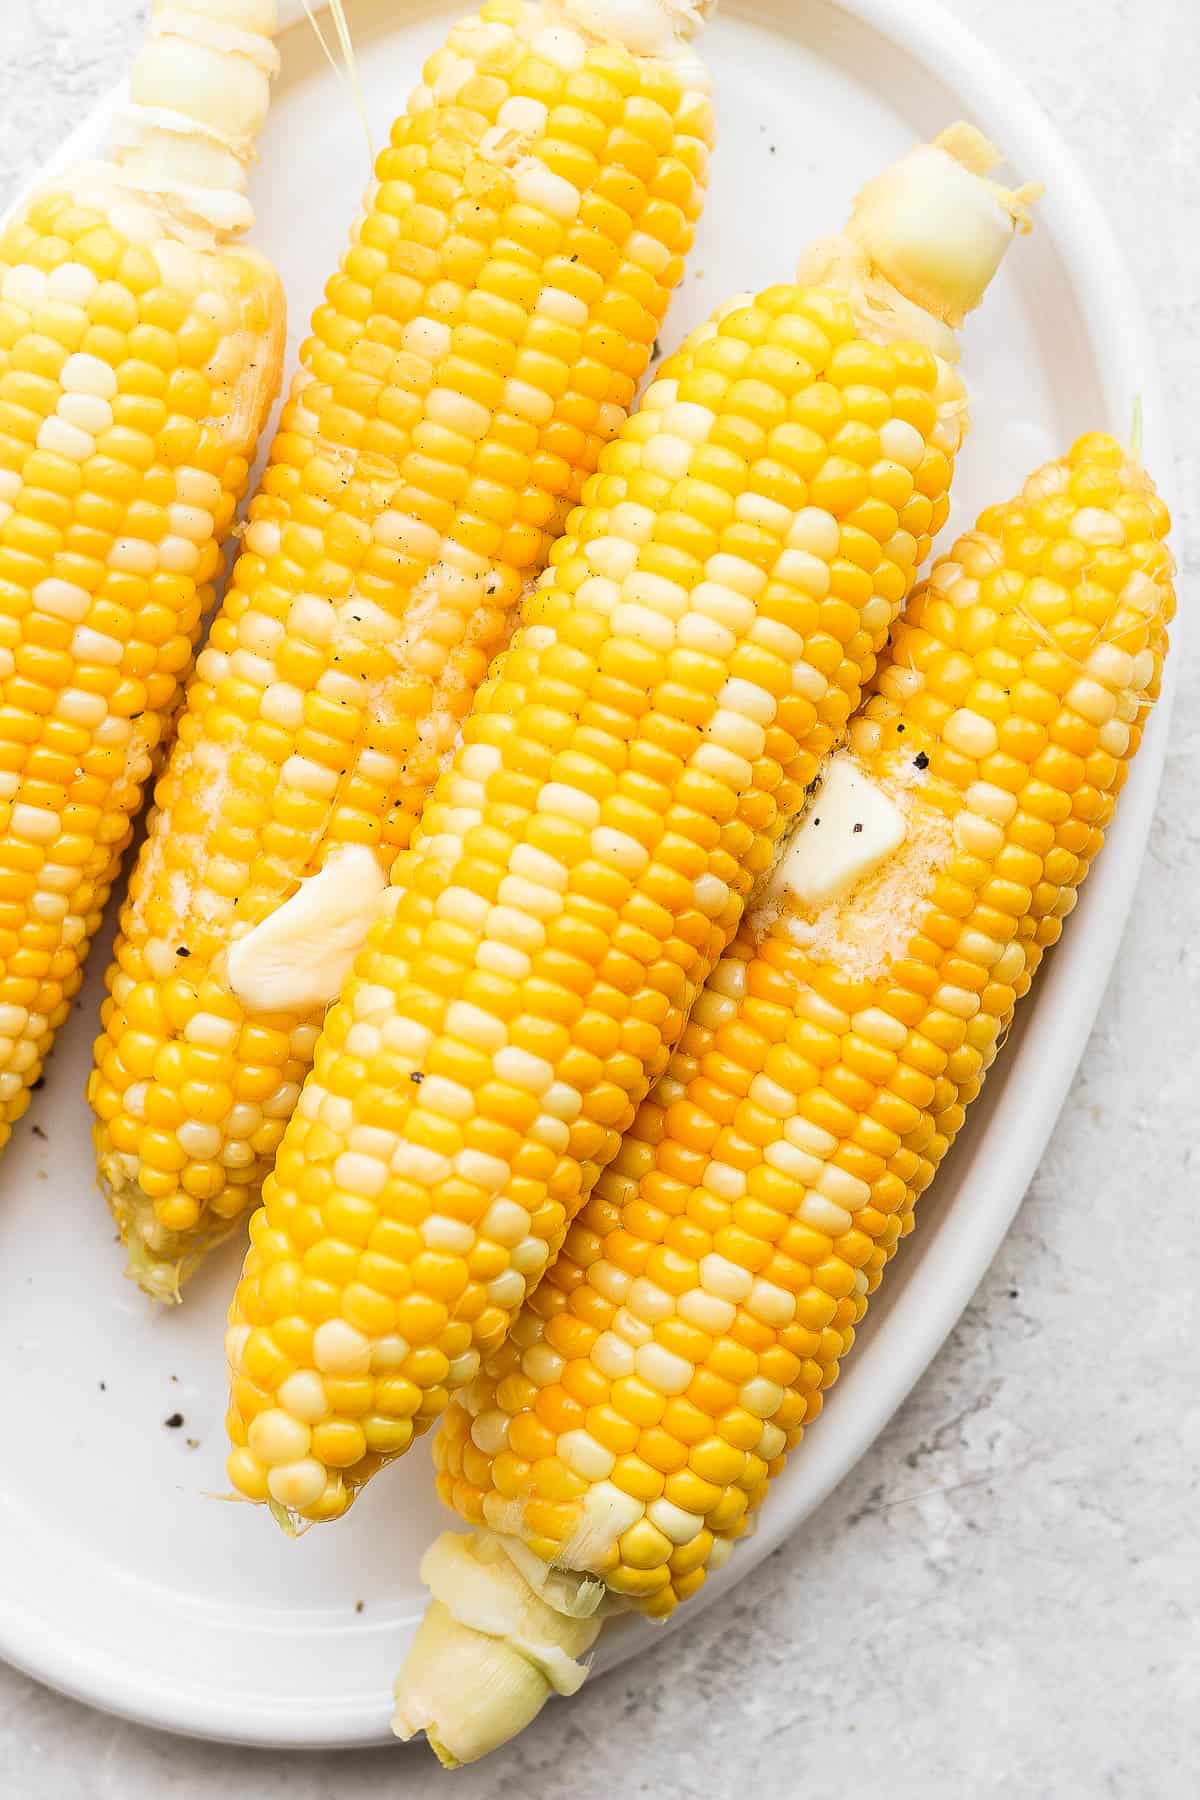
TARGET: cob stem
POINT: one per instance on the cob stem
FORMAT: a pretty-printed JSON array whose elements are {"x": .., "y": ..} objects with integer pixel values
[
  {"x": 925, "y": 240},
  {"x": 491, "y": 1649},
  {"x": 183, "y": 144}
]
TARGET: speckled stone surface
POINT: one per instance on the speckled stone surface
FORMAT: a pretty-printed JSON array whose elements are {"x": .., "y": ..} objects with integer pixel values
[{"x": 1004, "y": 1597}]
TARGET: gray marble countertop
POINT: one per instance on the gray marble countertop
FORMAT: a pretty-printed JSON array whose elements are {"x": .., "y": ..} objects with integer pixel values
[{"x": 1004, "y": 1597}]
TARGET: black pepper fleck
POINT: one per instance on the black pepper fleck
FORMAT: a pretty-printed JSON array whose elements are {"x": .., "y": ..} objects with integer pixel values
[
  {"x": 417, "y": 1076},
  {"x": 103, "y": 1385},
  {"x": 920, "y": 760},
  {"x": 174, "y": 1422},
  {"x": 900, "y": 730},
  {"x": 857, "y": 829},
  {"x": 39, "y": 1133},
  {"x": 358, "y": 1605},
  {"x": 183, "y": 950}
]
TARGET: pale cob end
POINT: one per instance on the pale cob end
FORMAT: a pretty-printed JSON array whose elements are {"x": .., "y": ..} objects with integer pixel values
[
  {"x": 139, "y": 353},
  {"x": 491, "y": 1649},
  {"x": 925, "y": 240},
  {"x": 698, "y": 648},
  {"x": 478, "y": 347},
  {"x": 703, "y": 1302}
]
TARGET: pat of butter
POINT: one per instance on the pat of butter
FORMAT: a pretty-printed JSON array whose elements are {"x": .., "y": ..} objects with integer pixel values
[
  {"x": 299, "y": 957},
  {"x": 851, "y": 827}
]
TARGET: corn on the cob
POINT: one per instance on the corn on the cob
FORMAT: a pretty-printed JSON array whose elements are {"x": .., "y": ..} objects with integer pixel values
[
  {"x": 485, "y": 334},
  {"x": 697, "y": 646},
  {"x": 139, "y": 352},
  {"x": 704, "y": 1298}
]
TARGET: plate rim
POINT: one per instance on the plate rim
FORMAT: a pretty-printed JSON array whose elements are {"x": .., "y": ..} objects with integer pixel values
[{"x": 953, "y": 1267}]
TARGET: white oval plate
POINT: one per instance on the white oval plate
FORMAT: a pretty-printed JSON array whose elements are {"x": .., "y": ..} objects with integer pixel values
[{"x": 123, "y": 1579}]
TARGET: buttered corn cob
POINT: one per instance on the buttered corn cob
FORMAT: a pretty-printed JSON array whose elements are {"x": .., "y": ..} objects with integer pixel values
[
  {"x": 479, "y": 345},
  {"x": 698, "y": 645},
  {"x": 613, "y": 1450},
  {"x": 139, "y": 352}
]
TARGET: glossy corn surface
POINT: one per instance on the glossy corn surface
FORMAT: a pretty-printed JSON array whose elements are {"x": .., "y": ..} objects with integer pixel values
[
  {"x": 135, "y": 373},
  {"x": 479, "y": 344},
  {"x": 705, "y": 1296},
  {"x": 699, "y": 643}
]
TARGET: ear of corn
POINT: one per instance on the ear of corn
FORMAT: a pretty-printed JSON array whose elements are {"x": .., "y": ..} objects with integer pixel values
[
  {"x": 139, "y": 352},
  {"x": 704, "y": 1298},
  {"x": 698, "y": 645},
  {"x": 480, "y": 343}
]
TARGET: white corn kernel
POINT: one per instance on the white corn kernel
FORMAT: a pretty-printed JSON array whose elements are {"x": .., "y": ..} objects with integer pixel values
[
  {"x": 524, "y": 1070},
  {"x": 339, "y": 1348},
  {"x": 806, "y": 1135},
  {"x": 708, "y": 1312},
  {"x": 471, "y": 1025},
  {"x": 441, "y": 1233},
  {"x": 727, "y": 1280},
  {"x": 298, "y": 1484},
  {"x": 824, "y": 1214},
  {"x": 303, "y": 1396},
  {"x": 569, "y": 803},
  {"x": 199, "y": 1140},
  {"x": 991, "y": 802},
  {"x": 489, "y": 1431},
  {"x": 1094, "y": 526},
  {"x": 847, "y": 1190},
  {"x": 84, "y": 374},
  {"x": 34, "y": 824},
  {"x": 799, "y": 1165},
  {"x": 505, "y": 1223},
  {"x": 726, "y": 1182},
  {"x": 1091, "y": 701},
  {"x": 612, "y": 1355},
  {"x": 507, "y": 1290},
  {"x": 817, "y": 532},
  {"x": 902, "y": 443},
  {"x": 609, "y": 1281},
  {"x": 649, "y": 1301},
  {"x": 761, "y": 1397},
  {"x": 879, "y": 1027},
  {"x": 449, "y": 1098},
  {"x": 970, "y": 733},
  {"x": 662, "y": 1370},
  {"x": 978, "y": 837},
  {"x": 476, "y": 1166},
  {"x": 585, "y": 1455},
  {"x": 71, "y": 283},
  {"x": 275, "y": 1437}
]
